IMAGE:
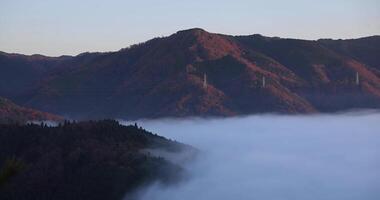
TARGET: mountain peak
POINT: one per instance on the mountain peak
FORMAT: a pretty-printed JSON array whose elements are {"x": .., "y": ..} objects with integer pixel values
[
  {"x": 207, "y": 45},
  {"x": 193, "y": 31}
]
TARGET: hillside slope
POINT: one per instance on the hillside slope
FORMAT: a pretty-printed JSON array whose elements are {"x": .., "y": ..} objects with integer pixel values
[
  {"x": 12, "y": 113},
  {"x": 164, "y": 77}
]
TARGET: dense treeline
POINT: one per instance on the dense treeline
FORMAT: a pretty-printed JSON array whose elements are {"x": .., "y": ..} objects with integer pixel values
[{"x": 84, "y": 160}]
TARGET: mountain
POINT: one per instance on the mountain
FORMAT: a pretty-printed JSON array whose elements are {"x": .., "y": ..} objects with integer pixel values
[
  {"x": 164, "y": 77},
  {"x": 12, "y": 113},
  {"x": 20, "y": 73},
  {"x": 85, "y": 160}
]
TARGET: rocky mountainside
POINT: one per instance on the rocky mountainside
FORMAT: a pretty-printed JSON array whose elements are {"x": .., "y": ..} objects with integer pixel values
[
  {"x": 197, "y": 73},
  {"x": 12, "y": 113}
]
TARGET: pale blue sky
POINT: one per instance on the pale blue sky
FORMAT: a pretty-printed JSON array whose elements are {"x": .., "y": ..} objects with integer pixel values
[{"x": 56, "y": 27}]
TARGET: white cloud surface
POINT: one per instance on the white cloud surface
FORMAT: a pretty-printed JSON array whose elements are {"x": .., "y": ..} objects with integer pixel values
[{"x": 277, "y": 157}]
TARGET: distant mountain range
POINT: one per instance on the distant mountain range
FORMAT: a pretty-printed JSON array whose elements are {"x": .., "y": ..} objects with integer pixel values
[{"x": 197, "y": 73}]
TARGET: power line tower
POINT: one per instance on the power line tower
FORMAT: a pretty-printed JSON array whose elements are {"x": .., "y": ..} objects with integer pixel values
[
  {"x": 263, "y": 82},
  {"x": 204, "y": 81},
  {"x": 357, "y": 81}
]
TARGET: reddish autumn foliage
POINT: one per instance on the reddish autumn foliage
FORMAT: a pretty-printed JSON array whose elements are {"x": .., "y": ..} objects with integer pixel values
[{"x": 164, "y": 77}]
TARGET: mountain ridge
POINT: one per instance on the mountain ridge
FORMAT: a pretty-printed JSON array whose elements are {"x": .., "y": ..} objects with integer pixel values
[
  {"x": 189, "y": 30},
  {"x": 163, "y": 77}
]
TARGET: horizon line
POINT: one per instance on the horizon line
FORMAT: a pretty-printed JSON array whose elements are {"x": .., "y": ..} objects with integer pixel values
[{"x": 184, "y": 30}]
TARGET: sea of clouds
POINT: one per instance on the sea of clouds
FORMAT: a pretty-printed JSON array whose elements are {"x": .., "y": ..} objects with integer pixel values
[{"x": 276, "y": 157}]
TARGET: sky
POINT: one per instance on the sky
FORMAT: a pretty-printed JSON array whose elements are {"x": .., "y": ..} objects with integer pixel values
[{"x": 70, "y": 27}]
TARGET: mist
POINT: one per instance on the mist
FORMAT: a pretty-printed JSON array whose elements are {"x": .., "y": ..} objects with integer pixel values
[{"x": 273, "y": 157}]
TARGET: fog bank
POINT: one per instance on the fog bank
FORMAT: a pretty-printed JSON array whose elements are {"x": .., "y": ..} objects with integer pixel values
[{"x": 276, "y": 157}]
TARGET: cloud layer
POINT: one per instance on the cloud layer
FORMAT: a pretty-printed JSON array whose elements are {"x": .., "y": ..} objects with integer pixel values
[{"x": 276, "y": 157}]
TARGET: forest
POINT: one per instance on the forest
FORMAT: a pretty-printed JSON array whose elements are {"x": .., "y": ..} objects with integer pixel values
[{"x": 82, "y": 160}]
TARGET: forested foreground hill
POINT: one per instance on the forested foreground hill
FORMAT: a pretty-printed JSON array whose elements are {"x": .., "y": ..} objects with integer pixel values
[{"x": 85, "y": 160}]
